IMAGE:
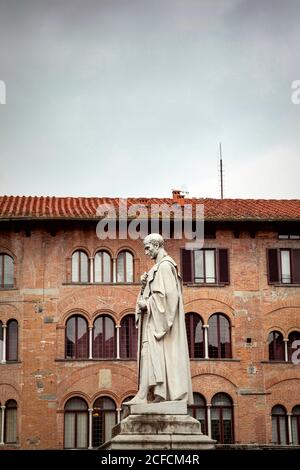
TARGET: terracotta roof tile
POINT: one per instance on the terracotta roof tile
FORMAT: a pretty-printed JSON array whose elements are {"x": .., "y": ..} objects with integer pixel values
[{"x": 21, "y": 207}]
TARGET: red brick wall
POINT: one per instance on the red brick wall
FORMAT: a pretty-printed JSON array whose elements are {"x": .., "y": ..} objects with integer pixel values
[{"x": 42, "y": 381}]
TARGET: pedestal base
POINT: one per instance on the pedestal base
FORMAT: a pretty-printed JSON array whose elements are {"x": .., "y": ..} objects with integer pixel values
[{"x": 158, "y": 426}]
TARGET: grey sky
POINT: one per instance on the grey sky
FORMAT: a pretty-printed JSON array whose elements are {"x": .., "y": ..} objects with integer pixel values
[{"x": 131, "y": 97}]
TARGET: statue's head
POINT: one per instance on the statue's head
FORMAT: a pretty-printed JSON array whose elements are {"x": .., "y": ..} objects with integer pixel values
[{"x": 153, "y": 243}]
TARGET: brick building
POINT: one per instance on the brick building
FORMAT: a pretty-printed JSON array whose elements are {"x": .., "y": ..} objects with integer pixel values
[{"x": 68, "y": 342}]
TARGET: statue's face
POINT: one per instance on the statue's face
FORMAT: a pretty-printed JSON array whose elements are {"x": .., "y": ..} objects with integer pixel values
[{"x": 151, "y": 250}]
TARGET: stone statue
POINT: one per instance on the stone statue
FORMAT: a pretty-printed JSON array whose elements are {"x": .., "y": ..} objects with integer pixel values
[{"x": 163, "y": 358}]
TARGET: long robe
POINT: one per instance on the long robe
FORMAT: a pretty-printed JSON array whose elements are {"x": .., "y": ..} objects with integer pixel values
[{"x": 164, "y": 342}]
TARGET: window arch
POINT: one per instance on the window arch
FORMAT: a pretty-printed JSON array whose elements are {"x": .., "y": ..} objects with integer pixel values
[
  {"x": 293, "y": 336},
  {"x": 104, "y": 338},
  {"x": 103, "y": 267},
  {"x": 125, "y": 266},
  {"x": 6, "y": 271},
  {"x": 219, "y": 336},
  {"x": 12, "y": 340},
  {"x": 276, "y": 346},
  {"x": 76, "y": 424},
  {"x": 279, "y": 425},
  {"x": 10, "y": 422},
  {"x": 195, "y": 335},
  {"x": 80, "y": 267},
  {"x": 77, "y": 340},
  {"x": 198, "y": 411},
  {"x": 222, "y": 419},
  {"x": 104, "y": 419},
  {"x": 128, "y": 337},
  {"x": 296, "y": 425}
]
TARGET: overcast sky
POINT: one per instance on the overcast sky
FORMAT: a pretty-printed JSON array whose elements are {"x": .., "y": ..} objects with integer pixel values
[{"x": 132, "y": 97}]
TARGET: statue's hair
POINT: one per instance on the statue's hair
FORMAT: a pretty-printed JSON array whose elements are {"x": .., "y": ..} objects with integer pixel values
[{"x": 154, "y": 237}]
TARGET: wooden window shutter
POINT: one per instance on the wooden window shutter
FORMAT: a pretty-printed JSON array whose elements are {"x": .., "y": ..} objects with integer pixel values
[
  {"x": 273, "y": 267},
  {"x": 223, "y": 265},
  {"x": 186, "y": 265},
  {"x": 296, "y": 266}
]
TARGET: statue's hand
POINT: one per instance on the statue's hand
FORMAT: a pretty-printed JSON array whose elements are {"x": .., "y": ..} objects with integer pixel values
[
  {"x": 144, "y": 278},
  {"x": 142, "y": 304}
]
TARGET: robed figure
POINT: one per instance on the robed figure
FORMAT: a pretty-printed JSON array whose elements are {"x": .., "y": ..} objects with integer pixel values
[{"x": 163, "y": 357}]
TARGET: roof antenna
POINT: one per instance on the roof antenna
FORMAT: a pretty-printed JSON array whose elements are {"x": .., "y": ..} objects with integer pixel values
[{"x": 221, "y": 170}]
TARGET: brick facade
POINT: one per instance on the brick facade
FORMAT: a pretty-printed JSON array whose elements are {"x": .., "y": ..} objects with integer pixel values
[{"x": 43, "y": 298}]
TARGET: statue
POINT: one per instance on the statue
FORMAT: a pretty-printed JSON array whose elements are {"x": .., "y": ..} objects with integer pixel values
[{"x": 163, "y": 358}]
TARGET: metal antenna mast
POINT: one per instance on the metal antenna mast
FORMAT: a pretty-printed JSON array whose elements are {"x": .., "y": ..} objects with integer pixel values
[{"x": 221, "y": 170}]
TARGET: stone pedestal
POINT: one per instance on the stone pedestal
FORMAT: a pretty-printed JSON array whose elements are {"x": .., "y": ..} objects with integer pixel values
[{"x": 159, "y": 426}]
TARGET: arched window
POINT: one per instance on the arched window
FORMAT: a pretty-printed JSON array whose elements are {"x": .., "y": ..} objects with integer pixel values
[
  {"x": 80, "y": 267},
  {"x": 104, "y": 339},
  {"x": 128, "y": 338},
  {"x": 125, "y": 267},
  {"x": 76, "y": 424},
  {"x": 276, "y": 346},
  {"x": 293, "y": 336},
  {"x": 279, "y": 425},
  {"x": 10, "y": 422},
  {"x": 1, "y": 340},
  {"x": 103, "y": 267},
  {"x": 222, "y": 419},
  {"x": 296, "y": 425},
  {"x": 6, "y": 271},
  {"x": 219, "y": 336},
  {"x": 104, "y": 419},
  {"x": 12, "y": 340},
  {"x": 198, "y": 411},
  {"x": 195, "y": 336},
  {"x": 77, "y": 339}
]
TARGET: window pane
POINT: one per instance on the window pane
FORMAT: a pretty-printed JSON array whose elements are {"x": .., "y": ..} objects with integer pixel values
[
  {"x": 129, "y": 267},
  {"x": 282, "y": 429},
  {"x": 274, "y": 430},
  {"x": 98, "y": 338},
  {"x": 8, "y": 271},
  {"x": 12, "y": 341},
  {"x": 75, "y": 267},
  {"x": 128, "y": 338},
  {"x": 225, "y": 337},
  {"x": 285, "y": 266},
  {"x": 213, "y": 347},
  {"x": 106, "y": 267},
  {"x": 10, "y": 425},
  {"x": 110, "y": 422},
  {"x": 69, "y": 430},
  {"x": 199, "y": 267},
  {"x": 70, "y": 338},
  {"x": 210, "y": 266},
  {"x": 82, "y": 430},
  {"x": 295, "y": 430},
  {"x": 109, "y": 337},
  {"x": 120, "y": 267},
  {"x": 82, "y": 338},
  {"x": 84, "y": 268},
  {"x": 221, "y": 400},
  {"x": 98, "y": 267}
]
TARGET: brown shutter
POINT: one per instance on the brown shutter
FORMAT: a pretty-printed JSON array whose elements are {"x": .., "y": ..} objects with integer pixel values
[
  {"x": 296, "y": 266},
  {"x": 223, "y": 265},
  {"x": 186, "y": 265},
  {"x": 273, "y": 274}
]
